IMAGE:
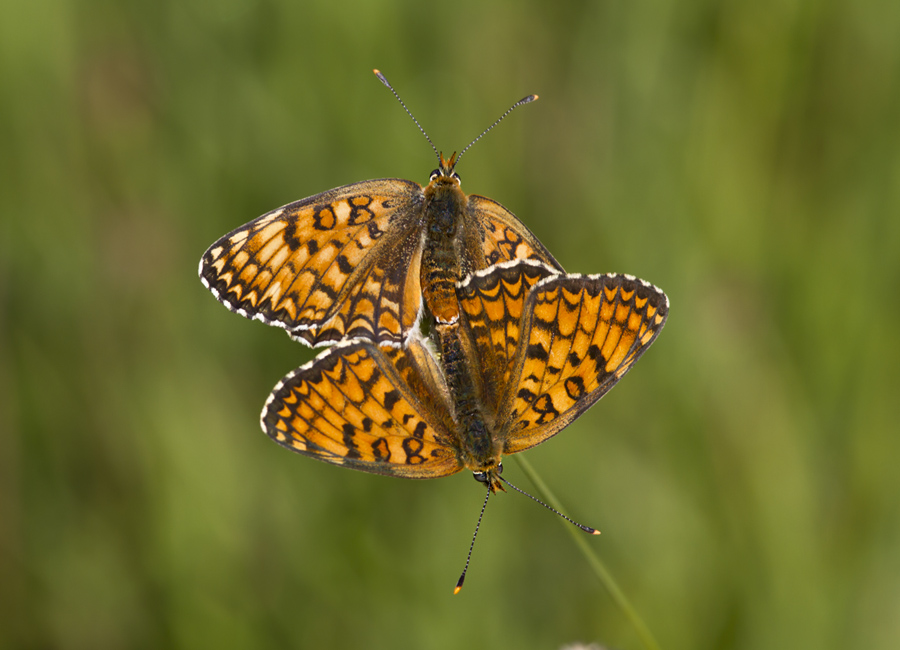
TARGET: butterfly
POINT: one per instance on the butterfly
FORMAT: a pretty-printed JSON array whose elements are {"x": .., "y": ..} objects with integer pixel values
[
  {"x": 361, "y": 261},
  {"x": 540, "y": 347}
]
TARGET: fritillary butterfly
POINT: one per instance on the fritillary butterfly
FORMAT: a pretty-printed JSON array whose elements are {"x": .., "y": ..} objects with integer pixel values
[{"x": 362, "y": 260}]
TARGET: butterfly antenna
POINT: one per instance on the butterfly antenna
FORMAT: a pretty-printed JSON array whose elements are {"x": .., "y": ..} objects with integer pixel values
[
  {"x": 587, "y": 529},
  {"x": 387, "y": 83},
  {"x": 524, "y": 100},
  {"x": 462, "y": 578}
]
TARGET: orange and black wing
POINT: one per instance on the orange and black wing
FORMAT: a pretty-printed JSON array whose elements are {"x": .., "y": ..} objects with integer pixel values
[
  {"x": 491, "y": 302},
  {"x": 504, "y": 237},
  {"x": 382, "y": 410},
  {"x": 341, "y": 264},
  {"x": 576, "y": 337}
]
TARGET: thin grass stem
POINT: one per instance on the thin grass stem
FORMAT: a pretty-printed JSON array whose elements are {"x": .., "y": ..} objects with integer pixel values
[{"x": 595, "y": 563}]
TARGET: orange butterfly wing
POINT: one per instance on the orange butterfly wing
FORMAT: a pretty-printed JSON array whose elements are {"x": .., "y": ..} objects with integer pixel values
[
  {"x": 574, "y": 337},
  {"x": 492, "y": 301},
  {"x": 341, "y": 264},
  {"x": 380, "y": 410},
  {"x": 504, "y": 237}
]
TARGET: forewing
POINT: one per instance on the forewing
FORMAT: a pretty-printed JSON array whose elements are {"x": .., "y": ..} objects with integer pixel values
[
  {"x": 581, "y": 334},
  {"x": 341, "y": 264},
  {"x": 381, "y": 410},
  {"x": 491, "y": 302},
  {"x": 506, "y": 238}
]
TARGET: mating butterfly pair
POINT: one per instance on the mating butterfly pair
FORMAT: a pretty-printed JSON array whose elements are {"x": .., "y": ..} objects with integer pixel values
[
  {"x": 347, "y": 265},
  {"x": 517, "y": 347}
]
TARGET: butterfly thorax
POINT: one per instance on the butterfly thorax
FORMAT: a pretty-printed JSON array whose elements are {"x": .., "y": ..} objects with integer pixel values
[{"x": 445, "y": 208}]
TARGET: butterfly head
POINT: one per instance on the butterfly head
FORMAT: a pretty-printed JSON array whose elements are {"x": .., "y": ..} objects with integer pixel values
[
  {"x": 490, "y": 477},
  {"x": 446, "y": 170}
]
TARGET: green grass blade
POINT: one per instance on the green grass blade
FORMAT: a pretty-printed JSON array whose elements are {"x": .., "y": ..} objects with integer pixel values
[{"x": 595, "y": 563}]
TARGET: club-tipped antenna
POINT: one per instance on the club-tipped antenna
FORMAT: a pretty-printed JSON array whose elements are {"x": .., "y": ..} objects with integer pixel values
[
  {"x": 587, "y": 529},
  {"x": 524, "y": 100},
  {"x": 462, "y": 578},
  {"x": 387, "y": 83}
]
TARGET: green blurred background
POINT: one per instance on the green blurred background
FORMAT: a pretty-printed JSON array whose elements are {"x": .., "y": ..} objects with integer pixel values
[{"x": 743, "y": 155}]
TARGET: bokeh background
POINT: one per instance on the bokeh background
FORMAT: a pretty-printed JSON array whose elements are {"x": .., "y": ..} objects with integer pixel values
[{"x": 743, "y": 155}]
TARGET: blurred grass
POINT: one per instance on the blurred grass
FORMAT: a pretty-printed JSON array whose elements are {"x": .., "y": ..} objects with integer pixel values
[{"x": 744, "y": 156}]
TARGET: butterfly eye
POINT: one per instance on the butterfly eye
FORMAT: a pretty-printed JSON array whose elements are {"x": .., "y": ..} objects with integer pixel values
[
  {"x": 456, "y": 176},
  {"x": 481, "y": 477},
  {"x": 499, "y": 468},
  {"x": 435, "y": 174}
]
